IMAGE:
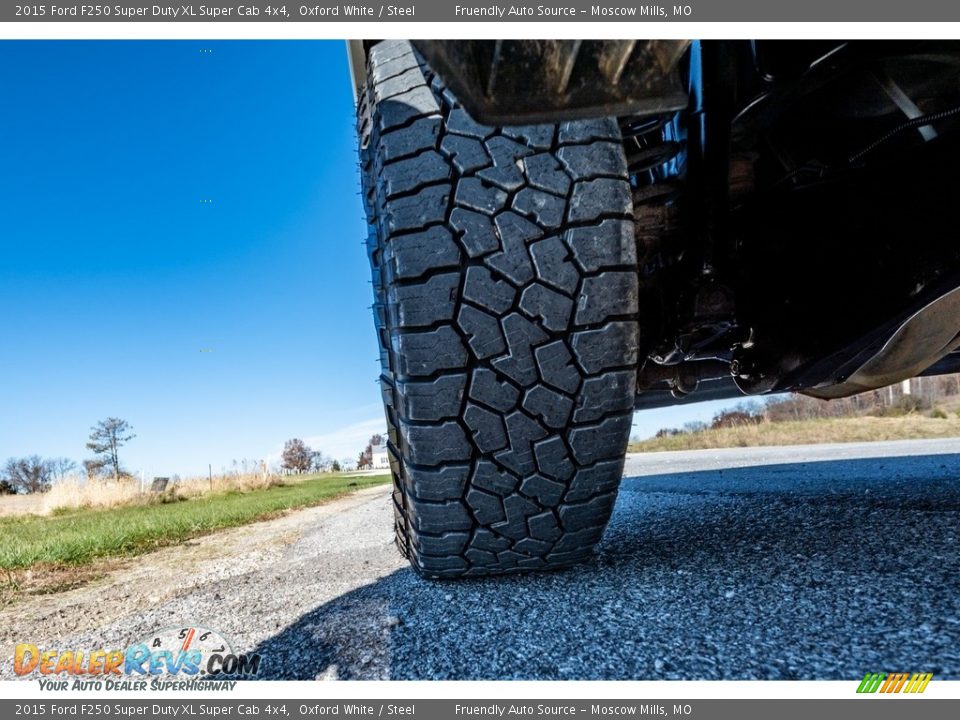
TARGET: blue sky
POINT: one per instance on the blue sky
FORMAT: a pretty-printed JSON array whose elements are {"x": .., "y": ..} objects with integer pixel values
[{"x": 180, "y": 246}]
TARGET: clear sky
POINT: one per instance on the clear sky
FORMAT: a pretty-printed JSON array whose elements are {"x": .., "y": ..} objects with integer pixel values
[{"x": 180, "y": 246}]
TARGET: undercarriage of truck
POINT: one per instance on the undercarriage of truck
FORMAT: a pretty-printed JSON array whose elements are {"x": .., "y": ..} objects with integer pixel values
[{"x": 792, "y": 200}]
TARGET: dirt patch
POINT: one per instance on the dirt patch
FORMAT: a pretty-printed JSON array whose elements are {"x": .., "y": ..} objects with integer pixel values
[{"x": 45, "y": 580}]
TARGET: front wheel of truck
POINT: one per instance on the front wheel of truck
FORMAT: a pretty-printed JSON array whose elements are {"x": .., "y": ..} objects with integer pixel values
[{"x": 506, "y": 303}]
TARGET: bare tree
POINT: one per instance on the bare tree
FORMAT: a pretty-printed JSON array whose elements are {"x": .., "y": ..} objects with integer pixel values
[
  {"x": 60, "y": 467},
  {"x": 363, "y": 460},
  {"x": 28, "y": 474},
  {"x": 94, "y": 467},
  {"x": 296, "y": 456},
  {"x": 106, "y": 439},
  {"x": 318, "y": 461}
]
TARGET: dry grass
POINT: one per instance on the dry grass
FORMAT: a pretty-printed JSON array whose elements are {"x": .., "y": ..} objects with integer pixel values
[
  {"x": 805, "y": 432},
  {"x": 77, "y": 492},
  {"x": 21, "y": 504}
]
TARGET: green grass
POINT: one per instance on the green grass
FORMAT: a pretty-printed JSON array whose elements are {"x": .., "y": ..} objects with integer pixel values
[{"x": 81, "y": 536}]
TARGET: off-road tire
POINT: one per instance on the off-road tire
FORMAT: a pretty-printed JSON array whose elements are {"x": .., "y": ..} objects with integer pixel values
[{"x": 505, "y": 286}]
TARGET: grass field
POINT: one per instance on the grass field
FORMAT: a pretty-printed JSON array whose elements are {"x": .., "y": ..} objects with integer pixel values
[
  {"x": 804, "y": 432},
  {"x": 83, "y": 535}
]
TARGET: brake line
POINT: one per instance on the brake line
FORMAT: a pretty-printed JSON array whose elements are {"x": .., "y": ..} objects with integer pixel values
[{"x": 916, "y": 122}]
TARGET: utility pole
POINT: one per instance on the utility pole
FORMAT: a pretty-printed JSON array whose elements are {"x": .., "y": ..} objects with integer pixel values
[{"x": 210, "y": 474}]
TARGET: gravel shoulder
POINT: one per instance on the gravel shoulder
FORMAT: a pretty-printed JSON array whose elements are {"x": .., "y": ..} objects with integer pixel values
[
  {"x": 215, "y": 580},
  {"x": 817, "y": 562}
]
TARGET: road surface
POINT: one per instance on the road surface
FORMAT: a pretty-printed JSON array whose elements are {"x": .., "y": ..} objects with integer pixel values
[{"x": 818, "y": 562}]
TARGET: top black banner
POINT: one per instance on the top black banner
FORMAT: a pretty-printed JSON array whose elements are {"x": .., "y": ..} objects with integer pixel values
[{"x": 480, "y": 11}]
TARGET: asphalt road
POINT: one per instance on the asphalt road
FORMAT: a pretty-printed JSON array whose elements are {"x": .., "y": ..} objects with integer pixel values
[{"x": 819, "y": 562}]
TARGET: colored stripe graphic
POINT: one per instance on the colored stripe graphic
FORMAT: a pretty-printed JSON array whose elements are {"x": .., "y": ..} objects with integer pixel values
[
  {"x": 913, "y": 684},
  {"x": 894, "y": 682},
  {"x": 871, "y": 682},
  {"x": 918, "y": 683},
  {"x": 891, "y": 682},
  {"x": 903, "y": 678}
]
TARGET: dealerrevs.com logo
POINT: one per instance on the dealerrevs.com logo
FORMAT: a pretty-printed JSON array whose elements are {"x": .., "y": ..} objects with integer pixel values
[
  {"x": 193, "y": 653},
  {"x": 889, "y": 683}
]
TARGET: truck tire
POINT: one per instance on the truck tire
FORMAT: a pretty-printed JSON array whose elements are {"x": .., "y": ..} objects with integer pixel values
[{"x": 505, "y": 284}]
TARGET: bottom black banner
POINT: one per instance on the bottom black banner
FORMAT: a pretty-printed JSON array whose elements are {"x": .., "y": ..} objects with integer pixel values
[{"x": 872, "y": 707}]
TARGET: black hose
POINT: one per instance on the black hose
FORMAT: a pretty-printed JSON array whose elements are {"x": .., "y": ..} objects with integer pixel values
[
  {"x": 916, "y": 122},
  {"x": 919, "y": 121}
]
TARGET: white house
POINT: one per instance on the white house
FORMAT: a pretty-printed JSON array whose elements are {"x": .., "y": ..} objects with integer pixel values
[{"x": 379, "y": 459}]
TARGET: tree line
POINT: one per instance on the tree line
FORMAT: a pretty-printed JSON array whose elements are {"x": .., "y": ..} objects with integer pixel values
[
  {"x": 917, "y": 395},
  {"x": 298, "y": 457},
  {"x": 32, "y": 473}
]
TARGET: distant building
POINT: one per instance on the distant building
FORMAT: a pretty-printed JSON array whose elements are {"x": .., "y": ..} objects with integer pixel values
[{"x": 378, "y": 458}]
